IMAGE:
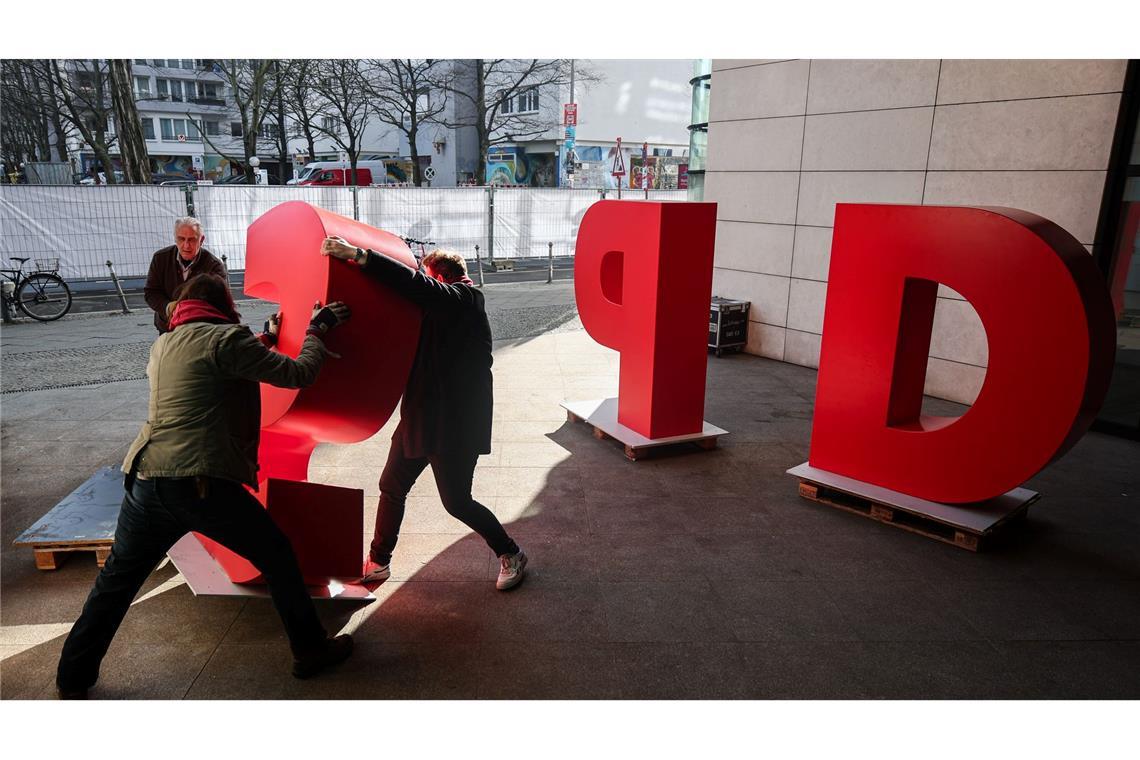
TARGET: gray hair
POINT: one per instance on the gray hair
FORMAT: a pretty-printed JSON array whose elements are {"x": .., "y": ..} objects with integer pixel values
[{"x": 188, "y": 221}]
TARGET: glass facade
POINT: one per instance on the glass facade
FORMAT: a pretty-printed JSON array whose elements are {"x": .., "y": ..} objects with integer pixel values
[{"x": 699, "y": 127}]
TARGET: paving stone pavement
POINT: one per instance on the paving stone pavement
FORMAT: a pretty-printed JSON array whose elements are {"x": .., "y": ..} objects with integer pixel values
[{"x": 696, "y": 575}]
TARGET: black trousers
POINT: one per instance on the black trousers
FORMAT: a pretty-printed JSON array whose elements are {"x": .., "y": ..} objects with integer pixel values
[
  {"x": 155, "y": 514},
  {"x": 453, "y": 472}
]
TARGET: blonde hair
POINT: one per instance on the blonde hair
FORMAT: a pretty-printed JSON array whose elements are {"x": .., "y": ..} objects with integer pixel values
[{"x": 447, "y": 263}]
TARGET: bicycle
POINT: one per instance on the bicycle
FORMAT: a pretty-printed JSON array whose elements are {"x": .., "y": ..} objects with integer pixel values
[
  {"x": 42, "y": 295},
  {"x": 419, "y": 257}
]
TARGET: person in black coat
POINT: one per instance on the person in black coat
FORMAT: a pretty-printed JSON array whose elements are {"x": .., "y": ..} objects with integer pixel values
[{"x": 445, "y": 415}]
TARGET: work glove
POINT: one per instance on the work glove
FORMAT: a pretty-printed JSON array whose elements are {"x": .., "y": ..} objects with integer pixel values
[
  {"x": 272, "y": 328},
  {"x": 327, "y": 317}
]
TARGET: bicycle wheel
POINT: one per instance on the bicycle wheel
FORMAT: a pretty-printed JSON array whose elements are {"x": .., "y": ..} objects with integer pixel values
[{"x": 44, "y": 297}]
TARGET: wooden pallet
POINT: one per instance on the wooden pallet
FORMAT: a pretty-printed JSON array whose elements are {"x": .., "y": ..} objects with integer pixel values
[
  {"x": 931, "y": 526},
  {"x": 634, "y": 452},
  {"x": 83, "y": 521},
  {"x": 51, "y": 556}
]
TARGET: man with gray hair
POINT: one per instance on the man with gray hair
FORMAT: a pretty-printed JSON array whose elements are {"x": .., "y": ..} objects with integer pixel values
[{"x": 174, "y": 265}]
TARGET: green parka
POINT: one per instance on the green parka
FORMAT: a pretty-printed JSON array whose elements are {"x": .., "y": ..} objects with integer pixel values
[{"x": 205, "y": 403}]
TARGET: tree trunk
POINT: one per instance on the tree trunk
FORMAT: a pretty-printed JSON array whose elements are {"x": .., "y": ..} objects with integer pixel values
[
  {"x": 132, "y": 144},
  {"x": 56, "y": 120},
  {"x": 481, "y": 122},
  {"x": 282, "y": 138},
  {"x": 417, "y": 174}
]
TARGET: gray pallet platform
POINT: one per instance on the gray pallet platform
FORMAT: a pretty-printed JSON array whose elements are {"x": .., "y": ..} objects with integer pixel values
[
  {"x": 967, "y": 527},
  {"x": 84, "y": 521}
]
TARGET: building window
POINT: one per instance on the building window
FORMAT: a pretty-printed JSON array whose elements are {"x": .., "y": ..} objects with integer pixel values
[
  {"x": 140, "y": 61},
  {"x": 508, "y": 106},
  {"x": 142, "y": 87},
  {"x": 235, "y": 129},
  {"x": 528, "y": 101},
  {"x": 213, "y": 128},
  {"x": 147, "y": 127},
  {"x": 159, "y": 62},
  {"x": 169, "y": 89},
  {"x": 329, "y": 123},
  {"x": 188, "y": 64},
  {"x": 208, "y": 91},
  {"x": 268, "y": 131},
  {"x": 172, "y": 128}
]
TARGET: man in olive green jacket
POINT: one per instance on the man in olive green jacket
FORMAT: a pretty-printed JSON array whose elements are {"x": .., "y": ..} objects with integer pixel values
[{"x": 188, "y": 468}]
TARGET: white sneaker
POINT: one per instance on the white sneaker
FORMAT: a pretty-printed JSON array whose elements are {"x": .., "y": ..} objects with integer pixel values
[
  {"x": 510, "y": 570},
  {"x": 374, "y": 572}
]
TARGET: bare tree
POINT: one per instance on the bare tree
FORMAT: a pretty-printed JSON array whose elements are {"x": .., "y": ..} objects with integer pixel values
[
  {"x": 24, "y": 127},
  {"x": 402, "y": 96},
  {"x": 254, "y": 86},
  {"x": 487, "y": 95},
  {"x": 84, "y": 95},
  {"x": 132, "y": 144},
  {"x": 343, "y": 109},
  {"x": 301, "y": 100}
]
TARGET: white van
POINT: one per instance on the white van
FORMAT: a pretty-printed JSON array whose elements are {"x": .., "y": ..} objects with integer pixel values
[{"x": 378, "y": 169}]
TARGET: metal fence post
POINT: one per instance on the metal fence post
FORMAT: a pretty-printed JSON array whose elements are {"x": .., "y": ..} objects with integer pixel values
[
  {"x": 189, "y": 191},
  {"x": 602, "y": 194},
  {"x": 355, "y": 203},
  {"x": 550, "y": 261},
  {"x": 479, "y": 265},
  {"x": 118, "y": 287},
  {"x": 491, "y": 226}
]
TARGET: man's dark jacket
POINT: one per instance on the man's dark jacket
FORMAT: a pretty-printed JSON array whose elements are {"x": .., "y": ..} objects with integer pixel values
[
  {"x": 448, "y": 402},
  {"x": 165, "y": 276}
]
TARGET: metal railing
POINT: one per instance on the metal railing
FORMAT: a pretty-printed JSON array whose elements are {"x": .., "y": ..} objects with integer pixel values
[{"x": 86, "y": 226}]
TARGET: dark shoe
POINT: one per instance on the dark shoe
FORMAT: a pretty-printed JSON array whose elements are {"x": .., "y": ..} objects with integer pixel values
[
  {"x": 61, "y": 693},
  {"x": 335, "y": 651}
]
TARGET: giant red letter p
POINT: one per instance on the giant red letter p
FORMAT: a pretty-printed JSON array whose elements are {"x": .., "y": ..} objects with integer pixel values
[
  {"x": 643, "y": 283},
  {"x": 1048, "y": 320}
]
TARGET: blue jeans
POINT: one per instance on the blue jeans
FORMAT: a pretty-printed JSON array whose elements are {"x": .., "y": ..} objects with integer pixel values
[{"x": 155, "y": 514}]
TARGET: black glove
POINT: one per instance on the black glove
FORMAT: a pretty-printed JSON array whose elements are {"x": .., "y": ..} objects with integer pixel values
[{"x": 327, "y": 317}]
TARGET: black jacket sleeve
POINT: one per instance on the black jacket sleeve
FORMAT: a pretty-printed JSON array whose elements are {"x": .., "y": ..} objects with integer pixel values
[
  {"x": 417, "y": 287},
  {"x": 154, "y": 291}
]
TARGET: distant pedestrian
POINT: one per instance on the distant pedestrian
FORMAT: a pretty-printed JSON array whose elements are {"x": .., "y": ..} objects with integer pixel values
[{"x": 175, "y": 264}]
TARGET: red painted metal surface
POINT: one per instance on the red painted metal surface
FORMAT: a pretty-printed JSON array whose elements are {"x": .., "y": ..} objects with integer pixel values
[
  {"x": 643, "y": 283},
  {"x": 324, "y": 526},
  {"x": 1048, "y": 320},
  {"x": 353, "y": 396}
]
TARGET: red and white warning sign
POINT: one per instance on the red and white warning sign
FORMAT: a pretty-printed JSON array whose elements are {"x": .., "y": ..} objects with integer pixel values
[
  {"x": 570, "y": 114},
  {"x": 618, "y": 169}
]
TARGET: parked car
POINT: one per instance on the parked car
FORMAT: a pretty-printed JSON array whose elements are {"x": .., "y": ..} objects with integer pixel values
[
  {"x": 173, "y": 179},
  {"x": 333, "y": 177},
  {"x": 89, "y": 180},
  {"x": 239, "y": 179}
]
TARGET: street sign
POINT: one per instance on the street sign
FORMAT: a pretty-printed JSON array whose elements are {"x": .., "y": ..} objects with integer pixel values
[
  {"x": 618, "y": 169},
  {"x": 570, "y": 114},
  {"x": 343, "y": 156},
  {"x": 181, "y": 138},
  {"x": 198, "y": 161},
  {"x": 430, "y": 172}
]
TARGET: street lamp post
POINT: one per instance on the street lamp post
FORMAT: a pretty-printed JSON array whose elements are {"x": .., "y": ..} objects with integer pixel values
[{"x": 255, "y": 162}]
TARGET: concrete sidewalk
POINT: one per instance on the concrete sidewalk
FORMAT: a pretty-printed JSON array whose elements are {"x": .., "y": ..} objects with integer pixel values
[{"x": 698, "y": 575}]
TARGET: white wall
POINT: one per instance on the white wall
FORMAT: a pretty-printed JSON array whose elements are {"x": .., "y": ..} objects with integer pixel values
[
  {"x": 788, "y": 139},
  {"x": 638, "y": 100}
]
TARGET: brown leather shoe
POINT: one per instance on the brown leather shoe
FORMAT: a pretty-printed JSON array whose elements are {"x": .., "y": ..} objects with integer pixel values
[{"x": 335, "y": 651}]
